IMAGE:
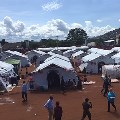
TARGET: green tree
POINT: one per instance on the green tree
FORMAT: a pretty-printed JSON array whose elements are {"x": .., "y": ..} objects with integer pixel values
[
  {"x": 77, "y": 36},
  {"x": 3, "y": 42}
]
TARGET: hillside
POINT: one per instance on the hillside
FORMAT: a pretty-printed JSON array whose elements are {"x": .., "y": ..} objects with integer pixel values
[{"x": 108, "y": 36}]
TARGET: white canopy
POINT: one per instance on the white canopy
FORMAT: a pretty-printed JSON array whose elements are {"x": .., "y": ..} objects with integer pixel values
[
  {"x": 90, "y": 57},
  {"x": 117, "y": 49},
  {"x": 39, "y": 52},
  {"x": 100, "y": 51},
  {"x": 116, "y": 56},
  {"x": 7, "y": 66},
  {"x": 77, "y": 53},
  {"x": 112, "y": 70},
  {"x": 16, "y": 53},
  {"x": 57, "y": 56},
  {"x": 56, "y": 61}
]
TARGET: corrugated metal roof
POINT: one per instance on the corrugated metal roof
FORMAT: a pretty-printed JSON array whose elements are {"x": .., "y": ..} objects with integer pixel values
[{"x": 56, "y": 61}]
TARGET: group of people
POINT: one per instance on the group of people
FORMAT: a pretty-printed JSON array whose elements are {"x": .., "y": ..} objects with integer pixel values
[
  {"x": 56, "y": 112},
  {"x": 108, "y": 92},
  {"x": 53, "y": 112},
  {"x": 71, "y": 84}
]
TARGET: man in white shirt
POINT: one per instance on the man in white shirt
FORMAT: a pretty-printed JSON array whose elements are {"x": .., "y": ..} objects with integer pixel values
[{"x": 49, "y": 105}]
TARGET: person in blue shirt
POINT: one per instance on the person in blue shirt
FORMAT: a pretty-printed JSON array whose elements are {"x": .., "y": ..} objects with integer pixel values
[
  {"x": 49, "y": 105},
  {"x": 24, "y": 91},
  {"x": 111, "y": 99}
]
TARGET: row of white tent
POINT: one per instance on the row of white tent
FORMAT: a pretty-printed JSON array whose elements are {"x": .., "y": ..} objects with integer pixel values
[
  {"x": 15, "y": 55},
  {"x": 6, "y": 71},
  {"x": 84, "y": 57},
  {"x": 59, "y": 63},
  {"x": 50, "y": 62}
]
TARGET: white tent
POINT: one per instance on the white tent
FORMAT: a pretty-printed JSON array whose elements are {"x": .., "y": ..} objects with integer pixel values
[
  {"x": 116, "y": 58},
  {"x": 50, "y": 73},
  {"x": 57, "y": 56},
  {"x": 100, "y": 51},
  {"x": 19, "y": 56},
  {"x": 33, "y": 53},
  {"x": 112, "y": 70},
  {"x": 69, "y": 53},
  {"x": 90, "y": 63}
]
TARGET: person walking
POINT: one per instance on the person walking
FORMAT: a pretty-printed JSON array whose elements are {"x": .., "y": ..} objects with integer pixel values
[
  {"x": 86, "y": 106},
  {"x": 62, "y": 85},
  {"x": 49, "y": 105},
  {"x": 111, "y": 99},
  {"x": 57, "y": 112},
  {"x": 106, "y": 85},
  {"x": 24, "y": 91},
  {"x": 79, "y": 84}
]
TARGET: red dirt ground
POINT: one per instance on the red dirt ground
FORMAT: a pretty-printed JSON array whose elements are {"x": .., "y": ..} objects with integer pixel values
[{"x": 71, "y": 103}]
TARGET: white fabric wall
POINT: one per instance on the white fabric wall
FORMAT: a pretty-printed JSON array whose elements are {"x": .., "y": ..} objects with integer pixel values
[
  {"x": 113, "y": 71},
  {"x": 106, "y": 59},
  {"x": 41, "y": 78},
  {"x": 32, "y": 54},
  {"x": 92, "y": 68}
]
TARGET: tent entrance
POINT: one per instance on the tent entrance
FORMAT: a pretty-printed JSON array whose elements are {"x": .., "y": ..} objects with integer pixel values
[
  {"x": 100, "y": 64},
  {"x": 53, "y": 80}
]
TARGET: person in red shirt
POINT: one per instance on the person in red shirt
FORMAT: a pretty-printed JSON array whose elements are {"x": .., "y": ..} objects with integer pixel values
[{"x": 57, "y": 112}]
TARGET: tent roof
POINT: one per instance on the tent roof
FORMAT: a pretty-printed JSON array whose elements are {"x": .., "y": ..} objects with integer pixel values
[
  {"x": 16, "y": 53},
  {"x": 6, "y": 66},
  {"x": 117, "y": 49},
  {"x": 56, "y": 61},
  {"x": 77, "y": 53},
  {"x": 63, "y": 48},
  {"x": 67, "y": 51},
  {"x": 57, "y": 56},
  {"x": 39, "y": 52},
  {"x": 108, "y": 41},
  {"x": 82, "y": 66},
  {"x": 12, "y": 61},
  {"x": 100, "y": 51},
  {"x": 116, "y": 56},
  {"x": 110, "y": 67},
  {"x": 90, "y": 57}
]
